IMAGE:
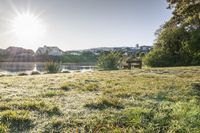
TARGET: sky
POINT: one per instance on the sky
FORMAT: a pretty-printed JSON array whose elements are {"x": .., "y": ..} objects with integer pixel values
[{"x": 83, "y": 24}]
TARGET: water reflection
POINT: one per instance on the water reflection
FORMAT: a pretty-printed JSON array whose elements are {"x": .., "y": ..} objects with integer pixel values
[{"x": 40, "y": 66}]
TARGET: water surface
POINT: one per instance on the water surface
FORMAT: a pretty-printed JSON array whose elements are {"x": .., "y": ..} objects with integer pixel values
[{"x": 15, "y": 67}]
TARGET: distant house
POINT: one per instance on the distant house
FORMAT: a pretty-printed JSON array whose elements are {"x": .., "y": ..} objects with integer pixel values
[
  {"x": 51, "y": 51},
  {"x": 145, "y": 49}
]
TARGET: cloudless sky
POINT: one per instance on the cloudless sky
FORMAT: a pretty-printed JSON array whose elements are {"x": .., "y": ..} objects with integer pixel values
[{"x": 82, "y": 24}]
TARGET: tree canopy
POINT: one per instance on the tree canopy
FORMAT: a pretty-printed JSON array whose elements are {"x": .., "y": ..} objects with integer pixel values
[{"x": 178, "y": 40}]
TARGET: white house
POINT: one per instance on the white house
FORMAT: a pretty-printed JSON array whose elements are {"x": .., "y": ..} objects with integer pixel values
[{"x": 51, "y": 51}]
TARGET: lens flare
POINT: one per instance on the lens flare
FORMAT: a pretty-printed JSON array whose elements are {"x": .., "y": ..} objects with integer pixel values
[{"x": 27, "y": 26}]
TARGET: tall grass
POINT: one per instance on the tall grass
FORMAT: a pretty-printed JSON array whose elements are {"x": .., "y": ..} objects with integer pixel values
[{"x": 52, "y": 67}]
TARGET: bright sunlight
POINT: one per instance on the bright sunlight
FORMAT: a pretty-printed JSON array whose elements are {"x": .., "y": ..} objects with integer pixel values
[{"x": 27, "y": 26}]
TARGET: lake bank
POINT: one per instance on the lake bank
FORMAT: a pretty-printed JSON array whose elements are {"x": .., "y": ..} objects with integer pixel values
[
  {"x": 146, "y": 100},
  {"x": 14, "y": 68}
]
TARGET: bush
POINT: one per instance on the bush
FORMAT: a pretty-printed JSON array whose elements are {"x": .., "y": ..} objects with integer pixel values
[
  {"x": 175, "y": 47},
  {"x": 52, "y": 67},
  {"x": 158, "y": 58},
  {"x": 109, "y": 61}
]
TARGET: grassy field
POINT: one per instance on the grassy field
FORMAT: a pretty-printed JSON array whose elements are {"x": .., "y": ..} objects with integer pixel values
[{"x": 149, "y": 100}]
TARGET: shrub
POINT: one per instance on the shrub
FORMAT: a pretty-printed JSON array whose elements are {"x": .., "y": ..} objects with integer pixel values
[
  {"x": 175, "y": 47},
  {"x": 52, "y": 67},
  {"x": 109, "y": 61},
  {"x": 158, "y": 58}
]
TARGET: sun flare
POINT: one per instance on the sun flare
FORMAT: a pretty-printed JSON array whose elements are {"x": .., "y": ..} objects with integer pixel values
[{"x": 27, "y": 26}]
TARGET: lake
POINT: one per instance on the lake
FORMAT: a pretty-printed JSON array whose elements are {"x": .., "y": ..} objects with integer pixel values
[{"x": 15, "y": 67}]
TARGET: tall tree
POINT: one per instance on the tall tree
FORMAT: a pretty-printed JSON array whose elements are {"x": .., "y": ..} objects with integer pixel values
[{"x": 178, "y": 40}]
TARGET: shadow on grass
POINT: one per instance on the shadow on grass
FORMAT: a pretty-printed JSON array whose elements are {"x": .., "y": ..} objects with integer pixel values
[
  {"x": 38, "y": 106},
  {"x": 104, "y": 103},
  {"x": 16, "y": 120}
]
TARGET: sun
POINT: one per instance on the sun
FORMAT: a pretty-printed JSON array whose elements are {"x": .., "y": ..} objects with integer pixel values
[{"x": 27, "y": 26}]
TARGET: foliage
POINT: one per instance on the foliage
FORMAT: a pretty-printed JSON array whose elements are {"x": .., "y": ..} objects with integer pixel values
[
  {"x": 109, "y": 61},
  {"x": 178, "y": 40},
  {"x": 52, "y": 67},
  {"x": 158, "y": 58},
  {"x": 185, "y": 13}
]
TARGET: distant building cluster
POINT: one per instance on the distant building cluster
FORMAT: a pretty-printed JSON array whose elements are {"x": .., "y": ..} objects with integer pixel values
[
  {"x": 125, "y": 50},
  {"x": 21, "y": 54}
]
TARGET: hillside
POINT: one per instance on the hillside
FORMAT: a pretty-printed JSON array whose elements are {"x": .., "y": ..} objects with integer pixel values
[{"x": 146, "y": 100}]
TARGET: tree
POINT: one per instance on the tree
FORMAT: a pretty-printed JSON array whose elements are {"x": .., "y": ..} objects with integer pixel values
[
  {"x": 178, "y": 41},
  {"x": 186, "y": 13}
]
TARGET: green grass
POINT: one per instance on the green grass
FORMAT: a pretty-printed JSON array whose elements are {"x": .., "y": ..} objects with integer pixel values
[
  {"x": 18, "y": 120},
  {"x": 91, "y": 87},
  {"x": 3, "y": 128},
  {"x": 69, "y": 85},
  {"x": 53, "y": 93},
  {"x": 104, "y": 103},
  {"x": 56, "y": 126},
  {"x": 164, "y": 100}
]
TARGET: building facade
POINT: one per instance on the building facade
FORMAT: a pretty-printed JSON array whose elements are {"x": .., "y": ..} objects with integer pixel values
[{"x": 51, "y": 51}]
